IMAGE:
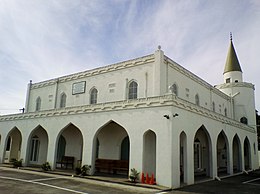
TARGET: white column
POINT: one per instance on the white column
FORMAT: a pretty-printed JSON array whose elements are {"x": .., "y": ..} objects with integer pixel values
[
  {"x": 190, "y": 160},
  {"x": 213, "y": 164},
  {"x": 230, "y": 157}
]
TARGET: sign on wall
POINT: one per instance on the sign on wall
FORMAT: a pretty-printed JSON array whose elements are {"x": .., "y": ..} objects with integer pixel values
[{"x": 78, "y": 88}]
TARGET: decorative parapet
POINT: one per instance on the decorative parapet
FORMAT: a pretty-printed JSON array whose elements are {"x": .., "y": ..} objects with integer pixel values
[
  {"x": 194, "y": 77},
  {"x": 159, "y": 101},
  {"x": 97, "y": 71}
]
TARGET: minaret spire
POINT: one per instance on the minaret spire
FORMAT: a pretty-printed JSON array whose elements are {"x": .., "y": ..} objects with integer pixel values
[{"x": 232, "y": 63}]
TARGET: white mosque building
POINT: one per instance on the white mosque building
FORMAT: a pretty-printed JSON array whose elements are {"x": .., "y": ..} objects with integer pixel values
[{"x": 149, "y": 112}]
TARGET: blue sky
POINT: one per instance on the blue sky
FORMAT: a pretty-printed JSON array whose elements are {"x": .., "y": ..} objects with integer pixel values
[{"x": 44, "y": 39}]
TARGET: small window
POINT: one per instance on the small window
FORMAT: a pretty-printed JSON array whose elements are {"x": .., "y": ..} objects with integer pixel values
[
  {"x": 38, "y": 104},
  {"x": 225, "y": 112},
  {"x": 132, "y": 90},
  {"x": 228, "y": 80},
  {"x": 236, "y": 81},
  {"x": 197, "y": 100},
  {"x": 93, "y": 96},
  {"x": 63, "y": 100},
  {"x": 244, "y": 120}
]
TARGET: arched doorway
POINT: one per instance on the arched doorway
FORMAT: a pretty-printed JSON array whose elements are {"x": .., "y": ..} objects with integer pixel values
[
  {"x": 13, "y": 145},
  {"x": 202, "y": 154},
  {"x": 125, "y": 149},
  {"x": 111, "y": 149},
  {"x": 237, "y": 167},
  {"x": 149, "y": 152},
  {"x": 61, "y": 148},
  {"x": 37, "y": 146},
  {"x": 69, "y": 145},
  {"x": 183, "y": 158},
  {"x": 247, "y": 154},
  {"x": 222, "y": 154}
]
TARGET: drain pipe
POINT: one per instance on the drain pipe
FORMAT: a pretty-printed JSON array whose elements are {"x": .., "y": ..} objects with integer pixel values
[{"x": 217, "y": 178}]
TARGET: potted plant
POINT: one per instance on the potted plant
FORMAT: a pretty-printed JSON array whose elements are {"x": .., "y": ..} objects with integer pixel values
[
  {"x": 16, "y": 163},
  {"x": 46, "y": 166},
  {"x": 77, "y": 170},
  {"x": 134, "y": 175},
  {"x": 85, "y": 170}
]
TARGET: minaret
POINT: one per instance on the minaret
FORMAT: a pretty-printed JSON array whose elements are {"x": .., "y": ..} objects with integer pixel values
[
  {"x": 232, "y": 72},
  {"x": 242, "y": 98}
]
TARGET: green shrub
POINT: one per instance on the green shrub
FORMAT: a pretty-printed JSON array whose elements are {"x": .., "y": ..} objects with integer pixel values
[
  {"x": 16, "y": 163},
  {"x": 134, "y": 175},
  {"x": 46, "y": 166},
  {"x": 85, "y": 170}
]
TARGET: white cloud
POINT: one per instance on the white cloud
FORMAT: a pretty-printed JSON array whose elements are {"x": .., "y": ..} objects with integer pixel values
[{"x": 45, "y": 39}]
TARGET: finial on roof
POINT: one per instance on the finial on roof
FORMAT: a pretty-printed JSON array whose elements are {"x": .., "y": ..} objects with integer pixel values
[
  {"x": 231, "y": 36},
  {"x": 159, "y": 47}
]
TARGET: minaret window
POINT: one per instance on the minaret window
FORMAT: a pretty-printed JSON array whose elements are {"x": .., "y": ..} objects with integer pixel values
[
  {"x": 93, "y": 96},
  {"x": 132, "y": 90},
  {"x": 244, "y": 120},
  {"x": 63, "y": 100},
  {"x": 228, "y": 80},
  {"x": 38, "y": 104}
]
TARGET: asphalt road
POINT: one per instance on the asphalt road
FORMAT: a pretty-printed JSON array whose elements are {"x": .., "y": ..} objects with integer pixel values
[
  {"x": 24, "y": 182},
  {"x": 240, "y": 184}
]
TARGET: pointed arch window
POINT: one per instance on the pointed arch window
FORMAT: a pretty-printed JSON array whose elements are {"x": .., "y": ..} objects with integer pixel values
[
  {"x": 38, "y": 104},
  {"x": 197, "y": 100},
  {"x": 63, "y": 98},
  {"x": 132, "y": 90},
  {"x": 213, "y": 106},
  {"x": 225, "y": 112},
  {"x": 174, "y": 89},
  {"x": 93, "y": 96}
]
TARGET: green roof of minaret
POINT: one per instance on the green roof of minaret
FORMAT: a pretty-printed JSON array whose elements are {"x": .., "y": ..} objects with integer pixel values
[{"x": 232, "y": 63}]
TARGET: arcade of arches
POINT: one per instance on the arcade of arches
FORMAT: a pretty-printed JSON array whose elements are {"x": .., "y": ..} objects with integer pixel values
[{"x": 112, "y": 141}]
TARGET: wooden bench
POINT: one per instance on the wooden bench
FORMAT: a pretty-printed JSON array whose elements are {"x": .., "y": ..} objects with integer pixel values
[
  {"x": 112, "y": 166},
  {"x": 66, "y": 161}
]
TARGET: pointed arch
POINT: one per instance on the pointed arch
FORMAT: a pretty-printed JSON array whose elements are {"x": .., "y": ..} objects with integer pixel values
[
  {"x": 237, "y": 154},
  {"x": 93, "y": 95},
  {"x": 202, "y": 153},
  {"x": 66, "y": 140},
  {"x": 125, "y": 149},
  {"x": 38, "y": 104},
  {"x": 197, "y": 99},
  {"x": 13, "y": 143},
  {"x": 183, "y": 157},
  {"x": 149, "y": 152},
  {"x": 111, "y": 142},
  {"x": 63, "y": 99},
  {"x": 132, "y": 90},
  {"x": 213, "y": 107},
  {"x": 174, "y": 89},
  {"x": 222, "y": 150},
  {"x": 37, "y": 146},
  {"x": 247, "y": 154}
]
